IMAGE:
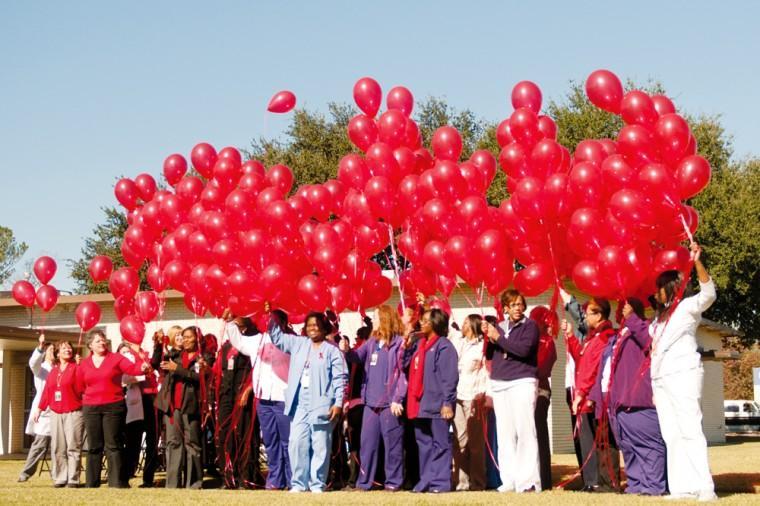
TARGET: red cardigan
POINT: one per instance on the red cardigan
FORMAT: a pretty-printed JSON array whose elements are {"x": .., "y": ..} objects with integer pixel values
[
  {"x": 587, "y": 357},
  {"x": 71, "y": 393},
  {"x": 102, "y": 385}
]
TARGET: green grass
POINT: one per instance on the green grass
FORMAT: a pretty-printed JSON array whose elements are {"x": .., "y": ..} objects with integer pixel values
[{"x": 735, "y": 467}]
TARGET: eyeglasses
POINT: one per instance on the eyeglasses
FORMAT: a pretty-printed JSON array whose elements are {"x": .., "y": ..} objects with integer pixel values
[{"x": 515, "y": 305}]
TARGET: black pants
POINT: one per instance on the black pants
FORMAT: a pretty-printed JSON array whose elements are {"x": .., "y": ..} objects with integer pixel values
[
  {"x": 573, "y": 419},
  {"x": 354, "y": 418},
  {"x": 133, "y": 438},
  {"x": 411, "y": 456},
  {"x": 608, "y": 454},
  {"x": 544, "y": 449},
  {"x": 152, "y": 430},
  {"x": 104, "y": 424},
  {"x": 589, "y": 452}
]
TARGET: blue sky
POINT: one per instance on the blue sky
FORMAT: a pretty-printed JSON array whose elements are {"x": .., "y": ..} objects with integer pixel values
[{"x": 93, "y": 90}]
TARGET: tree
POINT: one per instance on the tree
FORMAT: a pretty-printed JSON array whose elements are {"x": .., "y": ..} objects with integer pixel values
[
  {"x": 737, "y": 375},
  {"x": 10, "y": 252},
  {"x": 105, "y": 240}
]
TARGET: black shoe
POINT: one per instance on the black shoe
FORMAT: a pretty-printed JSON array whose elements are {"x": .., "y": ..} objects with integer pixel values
[
  {"x": 146, "y": 485},
  {"x": 59, "y": 485},
  {"x": 22, "y": 479},
  {"x": 72, "y": 485}
]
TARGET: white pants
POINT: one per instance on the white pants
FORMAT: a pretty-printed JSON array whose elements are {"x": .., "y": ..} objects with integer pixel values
[
  {"x": 67, "y": 432},
  {"x": 516, "y": 435},
  {"x": 676, "y": 398}
]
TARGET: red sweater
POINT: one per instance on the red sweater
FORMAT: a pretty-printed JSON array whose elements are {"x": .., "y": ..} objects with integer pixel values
[
  {"x": 587, "y": 357},
  {"x": 65, "y": 383},
  {"x": 547, "y": 355},
  {"x": 102, "y": 385}
]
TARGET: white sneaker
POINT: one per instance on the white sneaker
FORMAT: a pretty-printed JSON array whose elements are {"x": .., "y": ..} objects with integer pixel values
[
  {"x": 505, "y": 488},
  {"x": 317, "y": 491},
  {"x": 680, "y": 497},
  {"x": 295, "y": 491},
  {"x": 707, "y": 496}
]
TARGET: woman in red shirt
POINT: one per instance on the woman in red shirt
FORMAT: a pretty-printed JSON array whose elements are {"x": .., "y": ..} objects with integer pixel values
[
  {"x": 587, "y": 357},
  {"x": 63, "y": 396},
  {"x": 99, "y": 376}
]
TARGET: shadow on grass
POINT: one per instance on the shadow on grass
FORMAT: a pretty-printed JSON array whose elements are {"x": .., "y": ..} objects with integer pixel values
[
  {"x": 562, "y": 473},
  {"x": 745, "y": 483}
]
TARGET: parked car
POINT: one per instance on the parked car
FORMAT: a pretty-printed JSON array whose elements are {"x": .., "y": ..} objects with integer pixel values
[{"x": 742, "y": 415}]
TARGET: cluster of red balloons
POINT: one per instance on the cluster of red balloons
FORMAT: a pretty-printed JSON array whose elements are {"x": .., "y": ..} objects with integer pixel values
[
  {"x": 46, "y": 296},
  {"x": 611, "y": 215}
]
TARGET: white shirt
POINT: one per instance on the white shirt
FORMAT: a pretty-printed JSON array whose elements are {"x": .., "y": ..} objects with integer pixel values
[
  {"x": 269, "y": 364},
  {"x": 40, "y": 369},
  {"x": 674, "y": 340},
  {"x": 472, "y": 367}
]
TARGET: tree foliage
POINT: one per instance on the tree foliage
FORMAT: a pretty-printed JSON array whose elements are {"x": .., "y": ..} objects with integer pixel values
[
  {"x": 737, "y": 376},
  {"x": 105, "y": 240},
  {"x": 10, "y": 253}
]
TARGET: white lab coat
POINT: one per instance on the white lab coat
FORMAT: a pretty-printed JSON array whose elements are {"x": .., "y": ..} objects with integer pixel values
[
  {"x": 40, "y": 370},
  {"x": 270, "y": 365}
]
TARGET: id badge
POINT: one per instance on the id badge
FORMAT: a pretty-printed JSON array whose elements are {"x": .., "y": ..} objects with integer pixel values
[
  {"x": 305, "y": 378},
  {"x": 57, "y": 396},
  {"x": 230, "y": 364},
  {"x": 197, "y": 368},
  {"x": 373, "y": 359}
]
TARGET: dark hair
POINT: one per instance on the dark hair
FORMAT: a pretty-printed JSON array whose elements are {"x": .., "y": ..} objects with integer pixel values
[
  {"x": 491, "y": 319},
  {"x": 439, "y": 320},
  {"x": 93, "y": 334},
  {"x": 603, "y": 305},
  {"x": 638, "y": 307},
  {"x": 670, "y": 282},
  {"x": 249, "y": 326},
  {"x": 509, "y": 296},
  {"x": 322, "y": 323},
  {"x": 196, "y": 333},
  {"x": 363, "y": 333},
  {"x": 475, "y": 321}
]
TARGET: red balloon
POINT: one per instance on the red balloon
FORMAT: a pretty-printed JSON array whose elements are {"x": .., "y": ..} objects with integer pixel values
[
  {"x": 638, "y": 108},
  {"x": 227, "y": 173},
  {"x": 692, "y": 176},
  {"x": 547, "y": 127},
  {"x": 368, "y": 96},
  {"x": 189, "y": 190},
  {"x": 514, "y": 161},
  {"x": 583, "y": 185},
  {"x": 446, "y": 143},
  {"x": 672, "y": 134},
  {"x": 203, "y": 157},
  {"x": 156, "y": 278},
  {"x": 353, "y": 171},
  {"x": 46, "y": 297},
  {"x": 474, "y": 181},
  {"x": 175, "y": 167},
  {"x": 632, "y": 208},
  {"x": 124, "y": 281},
  {"x": 604, "y": 90},
  {"x": 663, "y": 105},
  {"x": 123, "y": 307},
  {"x": 412, "y": 137},
  {"x": 340, "y": 297},
  {"x": 434, "y": 258},
  {"x": 23, "y": 293},
  {"x": 126, "y": 192},
  {"x": 656, "y": 182},
  {"x": 584, "y": 232},
  {"x": 273, "y": 280},
  {"x": 282, "y": 102},
  {"x": 391, "y": 128},
  {"x": 253, "y": 167},
  {"x": 87, "y": 315},
  {"x": 280, "y": 177},
  {"x": 503, "y": 135},
  {"x": 523, "y": 125},
  {"x": 448, "y": 180},
  {"x": 319, "y": 200},
  {"x": 194, "y": 304},
  {"x": 616, "y": 174},
  {"x": 362, "y": 131},
  {"x": 637, "y": 145},
  {"x": 138, "y": 240},
  {"x": 555, "y": 197},
  {"x": 380, "y": 196},
  {"x": 368, "y": 240},
  {"x": 534, "y": 279},
  {"x": 526, "y": 94},
  {"x": 587, "y": 278},
  {"x": 146, "y": 186},
  {"x": 589, "y": 151},
  {"x": 313, "y": 293},
  {"x": 486, "y": 164},
  {"x": 401, "y": 99},
  {"x": 147, "y": 305},
  {"x": 546, "y": 158},
  {"x": 381, "y": 162},
  {"x": 44, "y": 269},
  {"x": 132, "y": 329},
  {"x": 528, "y": 199},
  {"x": 176, "y": 274}
]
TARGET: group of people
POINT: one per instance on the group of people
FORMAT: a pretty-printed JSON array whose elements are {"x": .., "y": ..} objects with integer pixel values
[{"x": 418, "y": 402}]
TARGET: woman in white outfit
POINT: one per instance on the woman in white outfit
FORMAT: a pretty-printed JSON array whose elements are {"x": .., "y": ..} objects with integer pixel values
[
  {"x": 677, "y": 381},
  {"x": 41, "y": 362}
]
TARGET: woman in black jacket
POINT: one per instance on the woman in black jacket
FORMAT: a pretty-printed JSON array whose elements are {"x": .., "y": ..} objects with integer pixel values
[{"x": 181, "y": 395}]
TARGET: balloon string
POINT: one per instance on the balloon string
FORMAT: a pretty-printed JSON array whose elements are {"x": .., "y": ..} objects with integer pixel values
[
  {"x": 394, "y": 264},
  {"x": 464, "y": 294},
  {"x": 686, "y": 228}
]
